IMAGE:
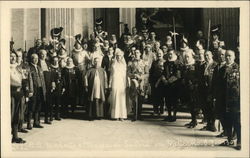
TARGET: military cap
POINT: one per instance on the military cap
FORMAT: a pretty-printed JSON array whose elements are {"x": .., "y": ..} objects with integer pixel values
[{"x": 78, "y": 38}]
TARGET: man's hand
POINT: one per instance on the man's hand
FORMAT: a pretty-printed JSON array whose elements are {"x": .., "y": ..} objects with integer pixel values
[
  {"x": 86, "y": 89},
  {"x": 63, "y": 90},
  {"x": 53, "y": 85}
]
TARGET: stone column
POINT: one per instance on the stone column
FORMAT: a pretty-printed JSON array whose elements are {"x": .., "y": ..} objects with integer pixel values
[
  {"x": 127, "y": 16},
  {"x": 25, "y": 25}
]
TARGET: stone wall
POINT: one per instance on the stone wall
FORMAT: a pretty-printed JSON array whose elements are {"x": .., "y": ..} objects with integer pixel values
[{"x": 25, "y": 26}]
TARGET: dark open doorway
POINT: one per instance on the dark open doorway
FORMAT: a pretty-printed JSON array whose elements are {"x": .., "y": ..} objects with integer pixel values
[{"x": 110, "y": 19}]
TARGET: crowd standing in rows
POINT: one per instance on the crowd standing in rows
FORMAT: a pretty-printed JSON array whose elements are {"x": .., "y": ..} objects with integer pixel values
[{"x": 113, "y": 77}]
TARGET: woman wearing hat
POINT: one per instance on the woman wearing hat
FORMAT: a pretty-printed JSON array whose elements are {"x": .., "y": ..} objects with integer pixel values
[{"x": 148, "y": 56}]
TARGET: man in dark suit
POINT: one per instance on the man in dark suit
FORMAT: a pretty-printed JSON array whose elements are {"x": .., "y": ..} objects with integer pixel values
[
  {"x": 39, "y": 91},
  {"x": 44, "y": 65},
  {"x": 155, "y": 74},
  {"x": 218, "y": 90},
  {"x": 231, "y": 84},
  {"x": 209, "y": 107}
]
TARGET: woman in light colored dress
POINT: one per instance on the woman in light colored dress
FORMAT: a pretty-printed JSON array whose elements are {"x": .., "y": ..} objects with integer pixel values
[{"x": 118, "y": 84}]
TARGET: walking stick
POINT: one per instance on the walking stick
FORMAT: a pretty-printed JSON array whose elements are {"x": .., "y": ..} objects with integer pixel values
[
  {"x": 214, "y": 104},
  {"x": 136, "y": 106}
]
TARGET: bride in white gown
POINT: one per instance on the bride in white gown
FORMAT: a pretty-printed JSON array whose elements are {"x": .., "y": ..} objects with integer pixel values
[{"x": 118, "y": 84}]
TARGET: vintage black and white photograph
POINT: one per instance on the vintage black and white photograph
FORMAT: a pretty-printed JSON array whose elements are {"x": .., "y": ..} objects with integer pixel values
[{"x": 116, "y": 78}]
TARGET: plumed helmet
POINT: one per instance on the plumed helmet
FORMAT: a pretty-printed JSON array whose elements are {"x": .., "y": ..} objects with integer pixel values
[
  {"x": 78, "y": 38},
  {"x": 56, "y": 32},
  {"x": 99, "y": 21}
]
